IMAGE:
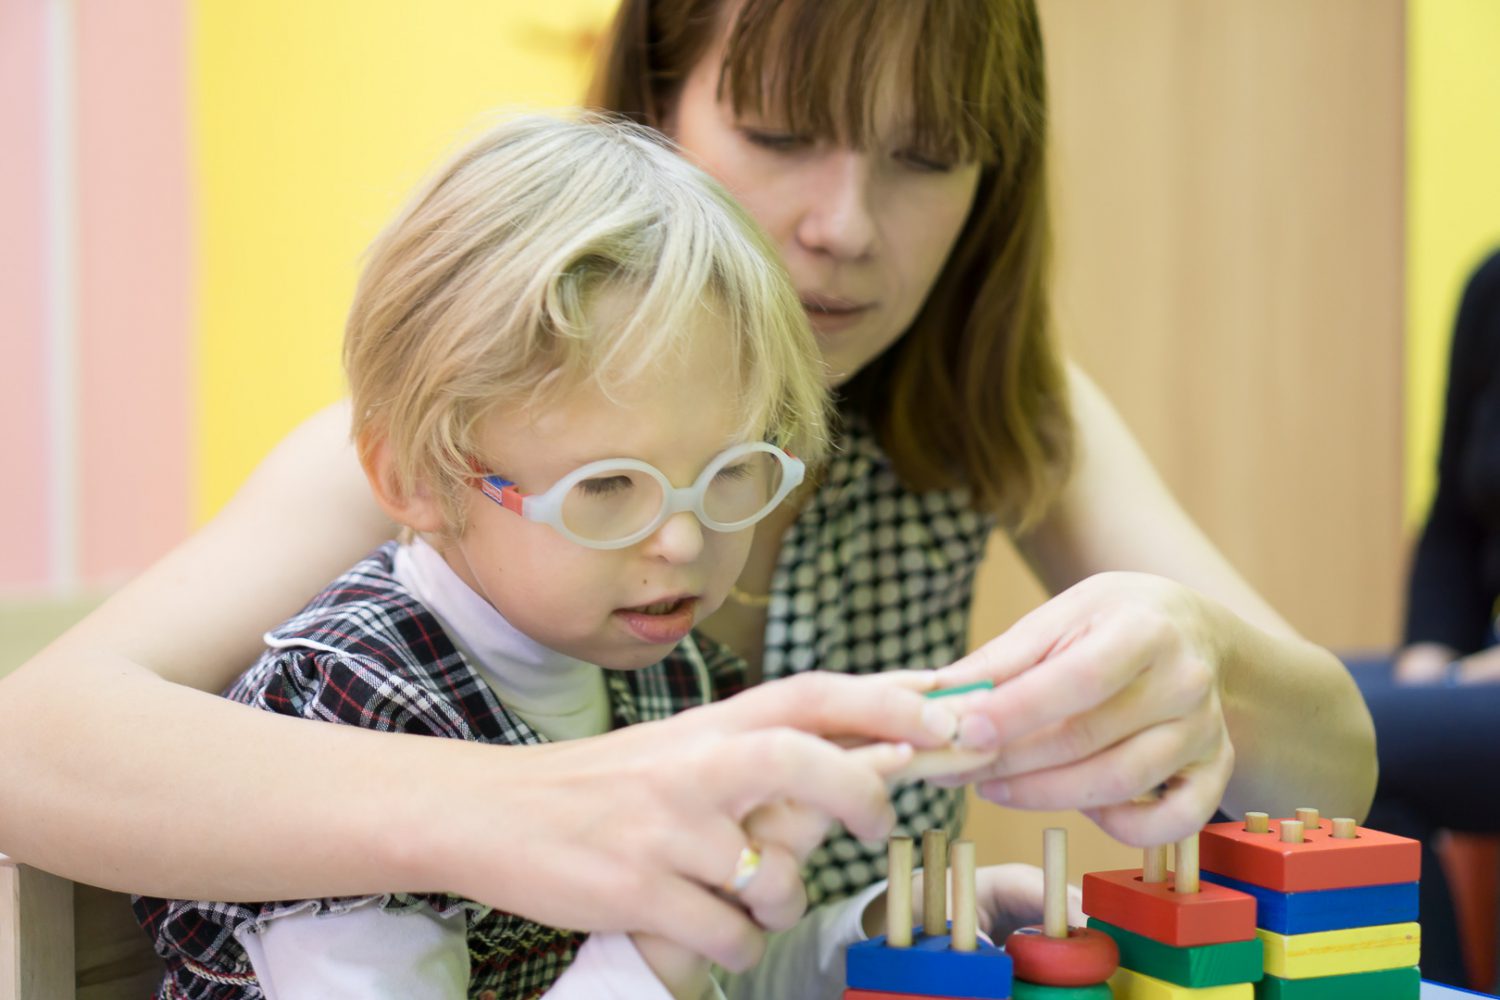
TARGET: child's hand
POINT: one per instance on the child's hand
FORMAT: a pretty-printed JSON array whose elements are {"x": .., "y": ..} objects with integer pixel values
[{"x": 1008, "y": 897}]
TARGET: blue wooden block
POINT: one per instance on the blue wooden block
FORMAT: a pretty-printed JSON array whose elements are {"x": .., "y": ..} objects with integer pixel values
[
  {"x": 929, "y": 968},
  {"x": 1326, "y": 909}
]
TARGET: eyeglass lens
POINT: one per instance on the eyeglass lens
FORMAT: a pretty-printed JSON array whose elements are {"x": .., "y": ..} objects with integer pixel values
[{"x": 616, "y": 503}]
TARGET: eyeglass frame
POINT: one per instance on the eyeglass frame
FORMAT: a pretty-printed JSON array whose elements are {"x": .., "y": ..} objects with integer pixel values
[{"x": 546, "y": 507}]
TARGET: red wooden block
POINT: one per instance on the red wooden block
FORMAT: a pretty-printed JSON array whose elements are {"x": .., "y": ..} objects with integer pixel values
[
  {"x": 1086, "y": 956},
  {"x": 1321, "y": 861},
  {"x": 853, "y": 994},
  {"x": 1212, "y": 915}
]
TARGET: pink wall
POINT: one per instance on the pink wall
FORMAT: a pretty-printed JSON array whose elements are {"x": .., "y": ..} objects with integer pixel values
[
  {"x": 94, "y": 413},
  {"x": 134, "y": 284},
  {"x": 23, "y": 317}
]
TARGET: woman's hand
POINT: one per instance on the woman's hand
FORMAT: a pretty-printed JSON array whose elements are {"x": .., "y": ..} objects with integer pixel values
[
  {"x": 1108, "y": 699},
  {"x": 641, "y": 829},
  {"x": 1009, "y": 897}
]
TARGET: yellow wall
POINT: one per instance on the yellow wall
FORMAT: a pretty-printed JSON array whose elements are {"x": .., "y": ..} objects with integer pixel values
[
  {"x": 311, "y": 122},
  {"x": 1453, "y": 199}
]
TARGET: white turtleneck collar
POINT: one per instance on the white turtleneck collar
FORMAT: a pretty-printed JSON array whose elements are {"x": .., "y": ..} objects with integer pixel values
[{"x": 561, "y": 697}]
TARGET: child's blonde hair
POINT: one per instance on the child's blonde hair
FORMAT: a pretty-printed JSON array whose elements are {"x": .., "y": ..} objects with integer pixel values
[{"x": 479, "y": 293}]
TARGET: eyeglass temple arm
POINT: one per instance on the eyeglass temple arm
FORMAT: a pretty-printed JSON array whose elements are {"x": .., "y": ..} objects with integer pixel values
[{"x": 503, "y": 492}]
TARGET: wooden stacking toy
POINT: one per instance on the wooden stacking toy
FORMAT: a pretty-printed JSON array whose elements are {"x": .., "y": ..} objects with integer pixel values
[
  {"x": 938, "y": 959},
  {"x": 1336, "y": 904},
  {"x": 1178, "y": 937}
]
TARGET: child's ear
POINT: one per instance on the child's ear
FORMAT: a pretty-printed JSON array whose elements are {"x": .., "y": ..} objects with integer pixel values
[{"x": 416, "y": 508}]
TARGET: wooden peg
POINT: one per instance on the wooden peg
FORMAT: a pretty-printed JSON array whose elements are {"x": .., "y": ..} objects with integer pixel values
[
  {"x": 1291, "y": 831},
  {"x": 898, "y": 893},
  {"x": 1154, "y": 864},
  {"x": 1055, "y": 882},
  {"x": 1257, "y": 822},
  {"x": 1308, "y": 817},
  {"x": 934, "y": 882},
  {"x": 1345, "y": 828},
  {"x": 1185, "y": 866},
  {"x": 965, "y": 907}
]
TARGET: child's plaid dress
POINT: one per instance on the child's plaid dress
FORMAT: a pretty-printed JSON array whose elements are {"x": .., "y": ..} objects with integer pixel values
[{"x": 365, "y": 653}]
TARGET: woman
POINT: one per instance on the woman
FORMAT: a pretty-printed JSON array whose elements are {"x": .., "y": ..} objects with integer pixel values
[{"x": 895, "y": 152}]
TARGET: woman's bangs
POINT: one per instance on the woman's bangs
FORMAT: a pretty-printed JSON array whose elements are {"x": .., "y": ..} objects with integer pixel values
[{"x": 822, "y": 68}]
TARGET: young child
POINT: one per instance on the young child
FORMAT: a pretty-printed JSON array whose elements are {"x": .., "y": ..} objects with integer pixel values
[{"x": 578, "y": 378}]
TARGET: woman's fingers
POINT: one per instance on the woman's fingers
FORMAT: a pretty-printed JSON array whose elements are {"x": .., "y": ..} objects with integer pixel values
[
  {"x": 949, "y": 767},
  {"x": 797, "y": 828},
  {"x": 1134, "y": 768},
  {"x": 704, "y": 922},
  {"x": 838, "y": 705},
  {"x": 775, "y": 895},
  {"x": 1188, "y": 800},
  {"x": 1092, "y": 669},
  {"x": 1156, "y": 697},
  {"x": 751, "y": 769}
]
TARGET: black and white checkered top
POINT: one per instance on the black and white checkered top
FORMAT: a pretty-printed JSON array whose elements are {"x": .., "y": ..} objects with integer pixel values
[{"x": 871, "y": 577}]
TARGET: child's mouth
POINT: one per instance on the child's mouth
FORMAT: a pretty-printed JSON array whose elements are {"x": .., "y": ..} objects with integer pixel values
[{"x": 665, "y": 621}]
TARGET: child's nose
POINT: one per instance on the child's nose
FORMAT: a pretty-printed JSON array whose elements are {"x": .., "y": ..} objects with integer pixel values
[{"x": 679, "y": 539}]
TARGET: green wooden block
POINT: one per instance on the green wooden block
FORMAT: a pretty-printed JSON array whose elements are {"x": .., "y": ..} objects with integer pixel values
[
  {"x": 1199, "y": 966},
  {"x": 1032, "y": 991},
  {"x": 1386, "y": 984}
]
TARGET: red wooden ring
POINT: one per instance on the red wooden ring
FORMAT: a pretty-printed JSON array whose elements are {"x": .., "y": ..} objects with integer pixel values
[{"x": 1086, "y": 956}]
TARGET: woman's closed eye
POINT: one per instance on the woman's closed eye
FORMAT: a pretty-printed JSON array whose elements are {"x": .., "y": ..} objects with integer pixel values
[
  {"x": 776, "y": 142},
  {"x": 924, "y": 162}
]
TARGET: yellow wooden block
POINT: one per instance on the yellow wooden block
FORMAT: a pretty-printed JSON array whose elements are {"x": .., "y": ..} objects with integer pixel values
[
  {"x": 1340, "y": 953},
  {"x": 1127, "y": 984}
]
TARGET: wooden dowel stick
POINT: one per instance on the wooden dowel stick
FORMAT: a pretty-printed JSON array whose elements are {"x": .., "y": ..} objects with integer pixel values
[
  {"x": 1257, "y": 822},
  {"x": 1291, "y": 831},
  {"x": 898, "y": 893},
  {"x": 965, "y": 907},
  {"x": 1308, "y": 817},
  {"x": 1055, "y": 882},
  {"x": 1185, "y": 874},
  {"x": 1344, "y": 828},
  {"x": 1154, "y": 864},
  {"x": 935, "y": 882}
]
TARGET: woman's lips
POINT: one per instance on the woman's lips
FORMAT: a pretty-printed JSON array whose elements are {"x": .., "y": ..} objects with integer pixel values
[
  {"x": 829, "y": 313},
  {"x": 666, "y": 621}
]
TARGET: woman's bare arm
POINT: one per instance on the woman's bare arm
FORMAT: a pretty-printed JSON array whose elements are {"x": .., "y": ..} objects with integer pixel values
[
  {"x": 106, "y": 736},
  {"x": 120, "y": 768}
]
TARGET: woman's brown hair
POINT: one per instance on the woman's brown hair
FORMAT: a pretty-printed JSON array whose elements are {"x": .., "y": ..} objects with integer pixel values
[{"x": 974, "y": 393}]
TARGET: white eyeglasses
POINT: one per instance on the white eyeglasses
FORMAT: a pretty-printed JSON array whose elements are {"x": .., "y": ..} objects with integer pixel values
[{"x": 619, "y": 501}]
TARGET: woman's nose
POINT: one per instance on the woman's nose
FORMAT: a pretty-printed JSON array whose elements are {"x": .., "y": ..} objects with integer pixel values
[{"x": 838, "y": 219}]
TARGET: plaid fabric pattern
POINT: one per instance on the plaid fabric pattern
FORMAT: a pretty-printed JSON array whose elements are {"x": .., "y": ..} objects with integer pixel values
[
  {"x": 365, "y": 653},
  {"x": 874, "y": 577}
]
